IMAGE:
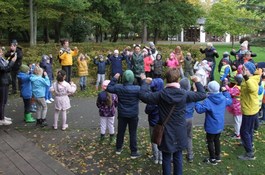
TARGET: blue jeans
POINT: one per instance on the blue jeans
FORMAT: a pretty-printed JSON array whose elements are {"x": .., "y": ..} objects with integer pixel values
[
  {"x": 48, "y": 94},
  {"x": 246, "y": 131},
  {"x": 82, "y": 80},
  {"x": 177, "y": 162},
  {"x": 212, "y": 72},
  {"x": 263, "y": 111},
  {"x": 122, "y": 124}
]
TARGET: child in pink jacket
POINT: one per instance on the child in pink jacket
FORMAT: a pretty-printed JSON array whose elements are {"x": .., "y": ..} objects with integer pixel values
[
  {"x": 171, "y": 61},
  {"x": 147, "y": 62},
  {"x": 235, "y": 108}
]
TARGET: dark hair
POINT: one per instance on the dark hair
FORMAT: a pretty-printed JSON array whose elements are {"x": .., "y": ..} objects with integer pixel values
[
  {"x": 13, "y": 44},
  {"x": 29, "y": 63},
  {"x": 60, "y": 75},
  {"x": 172, "y": 75},
  {"x": 63, "y": 41},
  {"x": 109, "y": 99}
]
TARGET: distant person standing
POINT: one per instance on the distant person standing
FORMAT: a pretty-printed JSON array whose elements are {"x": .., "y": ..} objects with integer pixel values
[
  {"x": 14, "y": 50},
  {"x": 153, "y": 56},
  {"x": 66, "y": 57}
]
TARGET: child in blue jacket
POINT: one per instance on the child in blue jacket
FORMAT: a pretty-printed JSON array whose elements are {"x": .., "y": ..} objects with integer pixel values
[
  {"x": 26, "y": 91},
  {"x": 101, "y": 69},
  {"x": 185, "y": 84},
  {"x": 214, "y": 109},
  {"x": 157, "y": 84},
  {"x": 46, "y": 64},
  {"x": 38, "y": 89}
]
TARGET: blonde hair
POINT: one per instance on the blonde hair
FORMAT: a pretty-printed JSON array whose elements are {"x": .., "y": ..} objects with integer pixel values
[
  {"x": 188, "y": 54},
  {"x": 109, "y": 99},
  {"x": 38, "y": 70},
  {"x": 209, "y": 44}
]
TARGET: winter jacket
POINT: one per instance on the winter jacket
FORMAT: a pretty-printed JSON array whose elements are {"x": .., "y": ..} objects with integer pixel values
[
  {"x": 175, "y": 132},
  {"x": 172, "y": 63},
  {"x": 209, "y": 53},
  {"x": 235, "y": 92},
  {"x": 179, "y": 57},
  {"x": 128, "y": 95},
  {"x": 38, "y": 85},
  {"x": 221, "y": 64},
  {"x": 67, "y": 57},
  {"x": 235, "y": 63},
  {"x": 188, "y": 64},
  {"x": 5, "y": 73},
  {"x": 32, "y": 69},
  {"x": 25, "y": 87},
  {"x": 147, "y": 62},
  {"x": 243, "y": 53},
  {"x": 224, "y": 73},
  {"x": 153, "y": 55},
  {"x": 104, "y": 110},
  {"x": 47, "y": 67},
  {"x": 158, "y": 66},
  {"x": 190, "y": 109},
  {"x": 101, "y": 65},
  {"x": 214, "y": 109},
  {"x": 153, "y": 114},
  {"x": 249, "y": 95},
  {"x": 18, "y": 62},
  {"x": 116, "y": 64},
  {"x": 82, "y": 67},
  {"x": 137, "y": 62}
]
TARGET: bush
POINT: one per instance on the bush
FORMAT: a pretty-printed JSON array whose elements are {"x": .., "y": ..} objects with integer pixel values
[
  {"x": 248, "y": 38},
  {"x": 34, "y": 54}
]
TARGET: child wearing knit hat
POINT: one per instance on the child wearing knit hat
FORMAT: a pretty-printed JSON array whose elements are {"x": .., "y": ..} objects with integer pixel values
[
  {"x": 106, "y": 103},
  {"x": 235, "y": 108},
  {"x": 26, "y": 91},
  {"x": 214, "y": 109}
]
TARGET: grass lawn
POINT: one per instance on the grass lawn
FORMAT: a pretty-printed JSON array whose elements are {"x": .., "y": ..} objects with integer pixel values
[{"x": 80, "y": 151}]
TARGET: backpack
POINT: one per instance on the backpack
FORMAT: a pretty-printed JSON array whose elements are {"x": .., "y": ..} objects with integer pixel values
[{"x": 59, "y": 59}]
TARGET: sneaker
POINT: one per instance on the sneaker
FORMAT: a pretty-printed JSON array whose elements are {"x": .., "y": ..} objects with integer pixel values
[
  {"x": 48, "y": 101},
  {"x": 44, "y": 122},
  {"x": 160, "y": 162},
  {"x": 232, "y": 135},
  {"x": 55, "y": 127},
  {"x": 65, "y": 127},
  {"x": 217, "y": 159},
  {"x": 102, "y": 88},
  {"x": 190, "y": 158},
  {"x": 32, "y": 109},
  {"x": 34, "y": 105},
  {"x": 135, "y": 154},
  {"x": 154, "y": 160},
  {"x": 51, "y": 99},
  {"x": 236, "y": 137},
  {"x": 96, "y": 88},
  {"x": 211, "y": 161},
  {"x": 119, "y": 150},
  {"x": 247, "y": 156},
  {"x": 8, "y": 119},
  {"x": 6, "y": 122}
]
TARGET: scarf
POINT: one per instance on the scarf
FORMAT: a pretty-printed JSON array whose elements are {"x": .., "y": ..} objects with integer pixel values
[
  {"x": 153, "y": 51},
  {"x": 65, "y": 48},
  {"x": 242, "y": 52},
  {"x": 173, "y": 85}
]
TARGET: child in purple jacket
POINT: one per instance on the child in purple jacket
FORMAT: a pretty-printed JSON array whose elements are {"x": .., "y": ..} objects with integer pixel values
[{"x": 107, "y": 103}]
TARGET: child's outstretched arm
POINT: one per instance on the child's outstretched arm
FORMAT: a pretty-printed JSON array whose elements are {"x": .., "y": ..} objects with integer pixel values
[
  {"x": 71, "y": 88},
  {"x": 107, "y": 62},
  {"x": 201, "y": 107},
  {"x": 111, "y": 87},
  {"x": 196, "y": 96},
  {"x": 95, "y": 60},
  {"x": 232, "y": 91},
  {"x": 46, "y": 81},
  {"x": 227, "y": 70},
  {"x": 51, "y": 59}
]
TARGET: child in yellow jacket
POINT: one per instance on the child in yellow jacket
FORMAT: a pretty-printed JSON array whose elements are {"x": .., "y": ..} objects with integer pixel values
[{"x": 82, "y": 70}]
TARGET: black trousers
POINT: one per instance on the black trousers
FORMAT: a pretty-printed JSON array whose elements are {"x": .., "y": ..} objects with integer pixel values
[
  {"x": 213, "y": 139},
  {"x": 148, "y": 74},
  {"x": 14, "y": 80},
  {"x": 27, "y": 105},
  {"x": 3, "y": 100},
  {"x": 137, "y": 81},
  {"x": 68, "y": 70}
]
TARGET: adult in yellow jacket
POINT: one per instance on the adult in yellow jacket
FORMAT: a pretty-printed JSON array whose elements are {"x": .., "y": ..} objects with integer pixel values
[
  {"x": 249, "y": 107},
  {"x": 66, "y": 57},
  {"x": 82, "y": 70}
]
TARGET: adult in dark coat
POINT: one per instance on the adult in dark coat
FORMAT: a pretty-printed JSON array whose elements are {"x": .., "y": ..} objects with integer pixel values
[
  {"x": 243, "y": 49},
  {"x": 14, "y": 50},
  {"x": 174, "y": 139},
  {"x": 210, "y": 54},
  {"x": 5, "y": 69}
]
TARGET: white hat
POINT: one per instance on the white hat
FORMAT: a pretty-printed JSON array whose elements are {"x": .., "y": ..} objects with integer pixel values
[
  {"x": 116, "y": 51},
  {"x": 210, "y": 44}
]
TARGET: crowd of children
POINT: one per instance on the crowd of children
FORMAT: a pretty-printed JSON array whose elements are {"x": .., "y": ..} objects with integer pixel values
[{"x": 241, "y": 92}]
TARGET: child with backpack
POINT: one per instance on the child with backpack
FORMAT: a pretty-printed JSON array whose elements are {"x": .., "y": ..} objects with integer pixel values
[
  {"x": 101, "y": 69},
  {"x": 26, "y": 91},
  {"x": 82, "y": 70},
  {"x": 62, "y": 102},
  {"x": 214, "y": 109},
  {"x": 157, "y": 84},
  {"x": 106, "y": 103},
  {"x": 38, "y": 89},
  {"x": 46, "y": 64}
]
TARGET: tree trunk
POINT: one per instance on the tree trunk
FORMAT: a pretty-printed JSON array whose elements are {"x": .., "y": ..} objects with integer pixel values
[
  {"x": 11, "y": 35},
  {"x": 126, "y": 35},
  {"x": 31, "y": 23},
  {"x": 97, "y": 35},
  {"x": 233, "y": 37},
  {"x": 116, "y": 34},
  {"x": 100, "y": 34},
  {"x": 35, "y": 25},
  {"x": 57, "y": 32},
  {"x": 45, "y": 35},
  {"x": 25, "y": 36},
  {"x": 144, "y": 36},
  {"x": 156, "y": 35},
  {"x": 105, "y": 36}
]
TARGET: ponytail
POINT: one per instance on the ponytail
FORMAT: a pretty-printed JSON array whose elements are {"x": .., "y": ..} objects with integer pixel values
[{"x": 109, "y": 99}]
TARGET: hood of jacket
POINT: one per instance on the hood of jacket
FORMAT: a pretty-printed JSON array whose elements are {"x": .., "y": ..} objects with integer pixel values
[
  {"x": 160, "y": 56},
  {"x": 35, "y": 77},
  {"x": 102, "y": 96},
  {"x": 216, "y": 98}
]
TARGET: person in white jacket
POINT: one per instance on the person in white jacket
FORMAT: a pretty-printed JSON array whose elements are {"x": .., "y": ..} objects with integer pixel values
[{"x": 203, "y": 70}]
